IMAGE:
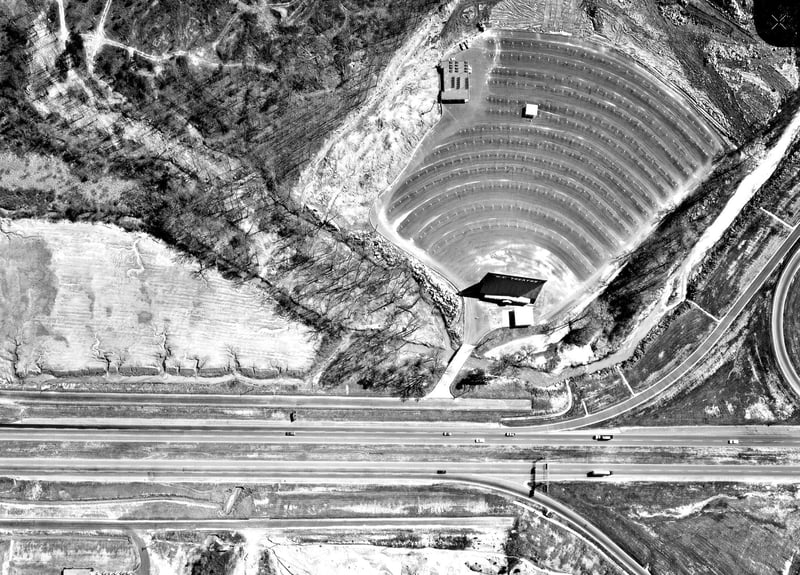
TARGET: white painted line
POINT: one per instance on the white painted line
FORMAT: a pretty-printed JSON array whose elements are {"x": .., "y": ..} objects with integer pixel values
[
  {"x": 776, "y": 218},
  {"x": 625, "y": 380},
  {"x": 716, "y": 319}
]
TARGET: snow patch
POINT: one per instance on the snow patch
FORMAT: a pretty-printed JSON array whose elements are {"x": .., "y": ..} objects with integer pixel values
[
  {"x": 759, "y": 411},
  {"x": 570, "y": 355},
  {"x": 682, "y": 511},
  {"x": 530, "y": 345},
  {"x": 247, "y": 563}
]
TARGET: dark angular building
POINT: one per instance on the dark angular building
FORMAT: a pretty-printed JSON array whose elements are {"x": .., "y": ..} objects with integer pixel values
[{"x": 510, "y": 289}]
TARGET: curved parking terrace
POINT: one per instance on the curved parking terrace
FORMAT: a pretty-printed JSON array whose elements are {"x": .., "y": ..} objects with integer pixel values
[{"x": 559, "y": 195}]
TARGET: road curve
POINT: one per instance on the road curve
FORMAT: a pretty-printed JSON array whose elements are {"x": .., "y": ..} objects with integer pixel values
[
  {"x": 782, "y": 291},
  {"x": 694, "y": 358},
  {"x": 477, "y": 475},
  {"x": 576, "y": 522}
]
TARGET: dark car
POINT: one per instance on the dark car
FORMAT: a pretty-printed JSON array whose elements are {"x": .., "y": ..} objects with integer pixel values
[
  {"x": 600, "y": 473},
  {"x": 604, "y": 437}
]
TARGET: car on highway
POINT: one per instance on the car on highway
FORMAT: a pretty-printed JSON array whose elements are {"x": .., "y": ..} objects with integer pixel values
[
  {"x": 600, "y": 473},
  {"x": 510, "y": 434},
  {"x": 479, "y": 440},
  {"x": 441, "y": 471},
  {"x": 733, "y": 442},
  {"x": 447, "y": 433},
  {"x": 290, "y": 433},
  {"x": 603, "y": 437}
]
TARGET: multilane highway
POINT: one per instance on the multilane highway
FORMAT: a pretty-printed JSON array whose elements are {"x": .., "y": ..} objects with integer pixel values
[
  {"x": 517, "y": 473},
  {"x": 432, "y": 434}
]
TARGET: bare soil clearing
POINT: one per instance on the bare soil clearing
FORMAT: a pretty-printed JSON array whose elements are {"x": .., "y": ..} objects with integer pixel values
[
  {"x": 39, "y": 553},
  {"x": 126, "y": 304}
]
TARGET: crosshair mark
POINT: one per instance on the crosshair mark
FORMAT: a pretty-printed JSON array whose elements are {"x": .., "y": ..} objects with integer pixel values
[{"x": 779, "y": 22}]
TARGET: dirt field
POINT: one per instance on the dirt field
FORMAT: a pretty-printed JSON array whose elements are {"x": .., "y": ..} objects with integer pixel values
[
  {"x": 716, "y": 528},
  {"x": 39, "y": 553},
  {"x": 107, "y": 300}
]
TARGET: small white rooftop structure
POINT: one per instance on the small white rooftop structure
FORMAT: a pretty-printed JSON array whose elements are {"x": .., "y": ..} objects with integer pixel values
[
  {"x": 518, "y": 317},
  {"x": 531, "y": 110}
]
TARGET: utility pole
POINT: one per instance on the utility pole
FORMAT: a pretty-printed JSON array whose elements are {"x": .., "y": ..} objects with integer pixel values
[
  {"x": 546, "y": 478},
  {"x": 544, "y": 482}
]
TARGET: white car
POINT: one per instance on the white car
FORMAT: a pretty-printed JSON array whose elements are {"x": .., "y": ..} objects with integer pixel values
[
  {"x": 479, "y": 440},
  {"x": 733, "y": 442}
]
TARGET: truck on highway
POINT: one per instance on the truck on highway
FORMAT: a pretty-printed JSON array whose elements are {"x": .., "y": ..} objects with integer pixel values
[
  {"x": 603, "y": 437},
  {"x": 600, "y": 473}
]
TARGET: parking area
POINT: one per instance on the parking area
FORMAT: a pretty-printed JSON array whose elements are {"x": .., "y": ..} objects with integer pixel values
[{"x": 566, "y": 186}]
